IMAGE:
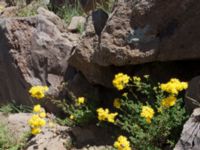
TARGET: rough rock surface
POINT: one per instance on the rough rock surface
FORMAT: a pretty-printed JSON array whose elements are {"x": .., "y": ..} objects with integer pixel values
[
  {"x": 95, "y": 136},
  {"x": 33, "y": 50},
  {"x": 190, "y": 135},
  {"x": 192, "y": 96},
  {"x": 16, "y": 123},
  {"x": 94, "y": 148},
  {"x": 52, "y": 138},
  {"x": 76, "y": 22},
  {"x": 138, "y": 32},
  {"x": 80, "y": 58},
  {"x": 9, "y": 12}
]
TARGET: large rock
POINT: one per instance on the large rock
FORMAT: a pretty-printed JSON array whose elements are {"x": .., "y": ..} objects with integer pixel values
[
  {"x": 138, "y": 32},
  {"x": 190, "y": 135},
  {"x": 76, "y": 23},
  {"x": 192, "y": 96},
  {"x": 52, "y": 138},
  {"x": 81, "y": 58},
  {"x": 17, "y": 124},
  {"x": 33, "y": 51}
]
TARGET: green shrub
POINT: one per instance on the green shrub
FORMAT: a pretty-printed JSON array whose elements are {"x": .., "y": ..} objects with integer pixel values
[
  {"x": 9, "y": 142},
  {"x": 147, "y": 114},
  {"x": 67, "y": 11},
  {"x": 14, "y": 108}
]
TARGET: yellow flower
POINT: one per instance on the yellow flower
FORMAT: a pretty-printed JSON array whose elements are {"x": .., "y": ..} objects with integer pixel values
[
  {"x": 148, "y": 113},
  {"x": 37, "y": 108},
  {"x": 42, "y": 122},
  {"x": 174, "y": 86},
  {"x": 120, "y": 81},
  {"x": 38, "y": 91},
  {"x": 111, "y": 117},
  {"x": 35, "y": 131},
  {"x": 168, "y": 102},
  {"x": 36, "y": 121},
  {"x": 117, "y": 103},
  {"x": 33, "y": 121},
  {"x": 102, "y": 114},
  {"x": 71, "y": 117},
  {"x": 42, "y": 114},
  {"x": 122, "y": 143},
  {"x": 184, "y": 85},
  {"x": 80, "y": 101}
]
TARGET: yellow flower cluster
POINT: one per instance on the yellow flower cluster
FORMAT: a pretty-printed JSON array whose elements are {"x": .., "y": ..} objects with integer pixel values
[
  {"x": 37, "y": 120},
  {"x": 174, "y": 86},
  {"x": 80, "y": 101},
  {"x": 38, "y": 91},
  {"x": 120, "y": 81},
  {"x": 168, "y": 102},
  {"x": 148, "y": 113},
  {"x": 117, "y": 103},
  {"x": 122, "y": 143},
  {"x": 104, "y": 115}
]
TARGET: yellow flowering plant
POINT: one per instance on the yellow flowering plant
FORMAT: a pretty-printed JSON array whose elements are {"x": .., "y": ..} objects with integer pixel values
[
  {"x": 37, "y": 120},
  {"x": 79, "y": 112},
  {"x": 122, "y": 143},
  {"x": 80, "y": 101},
  {"x": 148, "y": 113},
  {"x": 120, "y": 81},
  {"x": 38, "y": 92},
  {"x": 105, "y": 115}
]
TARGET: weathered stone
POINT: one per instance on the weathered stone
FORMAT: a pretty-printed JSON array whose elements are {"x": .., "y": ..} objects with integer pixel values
[
  {"x": 79, "y": 86},
  {"x": 9, "y": 12},
  {"x": 76, "y": 22},
  {"x": 139, "y": 32},
  {"x": 103, "y": 147},
  {"x": 95, "y": 136},
  {"x": 16, "y": 124},
  {"x": 192, "y": 96},
  {"x": 51, "y": 138},
  {"x": 53, "y": 18},
  {"x": 80, "y": 58},
  {"x": 33, "y": 51},
  {"x": 190, "y": 135}
]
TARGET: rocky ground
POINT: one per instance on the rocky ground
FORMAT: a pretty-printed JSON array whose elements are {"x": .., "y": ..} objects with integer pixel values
[
  {"x": 155, "y": 37},
  {"x": 54, "y": 136}
]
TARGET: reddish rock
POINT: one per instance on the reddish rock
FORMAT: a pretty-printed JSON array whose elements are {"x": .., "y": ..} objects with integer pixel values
[
  {"x": 138, "y": 32},
  {"x": 33, "y": 51}
]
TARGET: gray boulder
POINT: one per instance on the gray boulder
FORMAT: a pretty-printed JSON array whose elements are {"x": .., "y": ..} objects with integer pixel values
[
  {"x": 33, "y": 51},
  {"x": 139, "y": 32},
  {"x": 190, "y": 136}
]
